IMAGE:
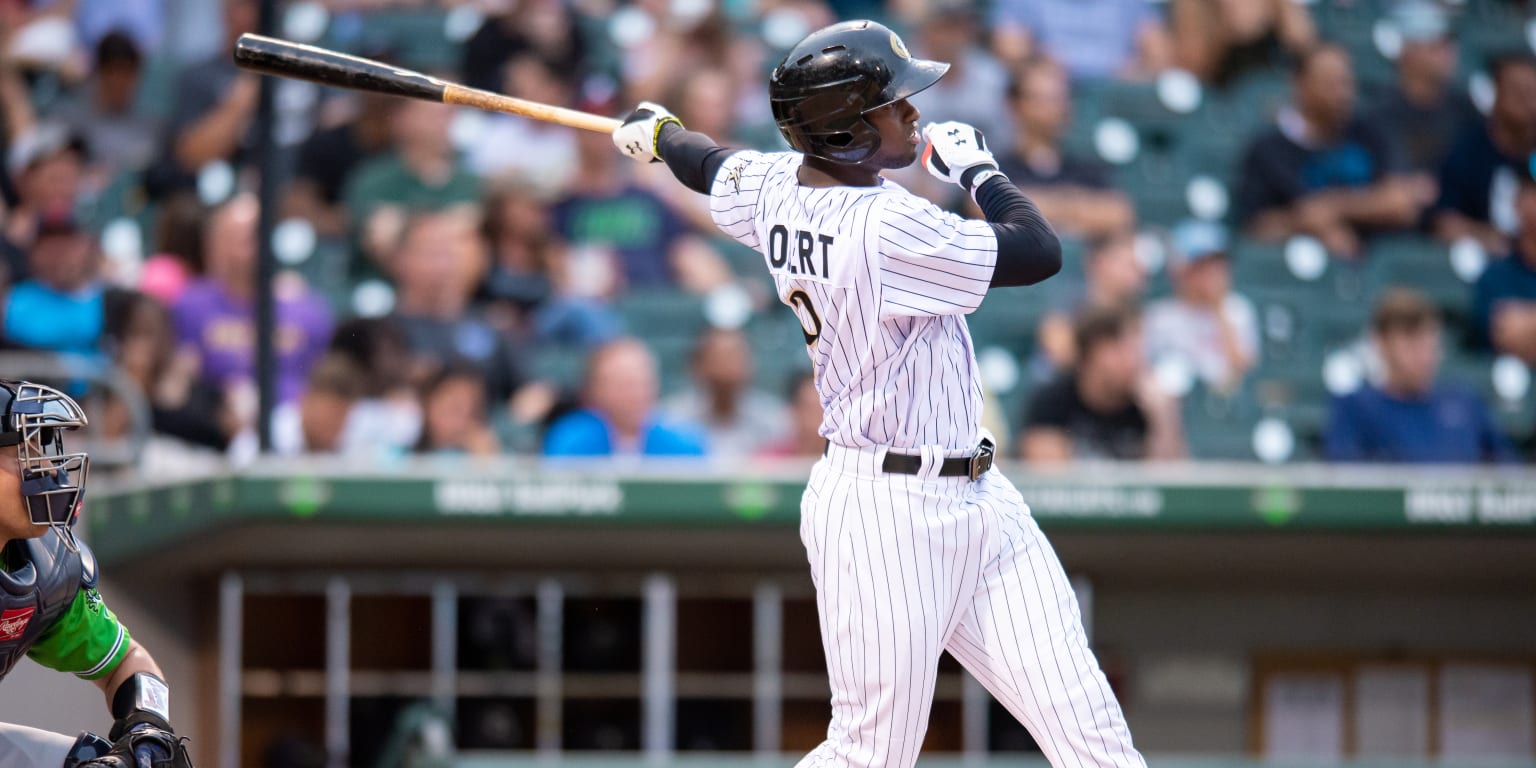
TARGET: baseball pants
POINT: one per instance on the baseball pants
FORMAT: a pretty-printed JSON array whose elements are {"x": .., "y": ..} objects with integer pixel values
[
  {"x": 20, "y": 745},
  {"x": 909, "y": 566}
]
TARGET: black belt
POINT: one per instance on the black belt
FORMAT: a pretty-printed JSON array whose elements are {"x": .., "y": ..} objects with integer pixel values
[{"x": 973, "y": 466}]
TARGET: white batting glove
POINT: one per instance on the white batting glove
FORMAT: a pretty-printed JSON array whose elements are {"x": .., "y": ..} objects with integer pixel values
[
  {"x": 637, "y": 137},
  {"x": 956, "y": 153}
]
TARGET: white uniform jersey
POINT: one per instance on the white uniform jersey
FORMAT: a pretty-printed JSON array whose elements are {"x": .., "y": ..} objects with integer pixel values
[{"x": 880, "y": 280}]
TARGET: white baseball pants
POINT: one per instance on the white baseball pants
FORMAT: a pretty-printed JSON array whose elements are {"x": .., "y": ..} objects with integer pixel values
[
  {"x": 20, "y": 745},
  {"x": 909, "y": 566}
]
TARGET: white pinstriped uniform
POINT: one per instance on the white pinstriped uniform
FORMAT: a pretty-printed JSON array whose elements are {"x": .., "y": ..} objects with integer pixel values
[{"x": 909, "y": 566}]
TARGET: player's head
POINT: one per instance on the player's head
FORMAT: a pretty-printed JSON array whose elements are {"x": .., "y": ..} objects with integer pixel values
[
  {"x": 41, "y": 485},
  {"x": 841, "y": 95}
]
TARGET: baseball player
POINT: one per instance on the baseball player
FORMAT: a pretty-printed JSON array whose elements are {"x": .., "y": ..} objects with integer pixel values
[
  {"x": 915, "y": 545},
  {"x": 49, "y": 607}
]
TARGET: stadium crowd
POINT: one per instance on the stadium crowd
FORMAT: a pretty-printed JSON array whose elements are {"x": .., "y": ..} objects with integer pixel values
[{"x": 464, "y": 283}]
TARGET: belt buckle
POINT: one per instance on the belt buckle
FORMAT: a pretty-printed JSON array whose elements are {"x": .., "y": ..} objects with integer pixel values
[{"x": 982, "y": 461}]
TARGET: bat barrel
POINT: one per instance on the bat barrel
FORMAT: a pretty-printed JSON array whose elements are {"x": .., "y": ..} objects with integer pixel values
[{"x": 271, "y": 56}]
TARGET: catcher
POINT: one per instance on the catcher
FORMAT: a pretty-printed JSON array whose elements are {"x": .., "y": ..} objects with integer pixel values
[{"x": 49, "y": 607}]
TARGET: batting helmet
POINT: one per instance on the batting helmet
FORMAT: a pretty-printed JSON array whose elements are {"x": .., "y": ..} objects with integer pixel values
[{"x": 824, "y": 86}]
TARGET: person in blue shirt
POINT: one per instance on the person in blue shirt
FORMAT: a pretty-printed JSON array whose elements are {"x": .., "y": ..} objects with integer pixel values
[
  {"x": 1504, "y": 302},
  {"x": 60, "y": 308},
  {"x": 618, "y": 414},
  {"x": 1410, "y": 417}
]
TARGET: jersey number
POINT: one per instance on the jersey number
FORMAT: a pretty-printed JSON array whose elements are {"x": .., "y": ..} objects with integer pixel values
[{"x": 810, "y": 323}]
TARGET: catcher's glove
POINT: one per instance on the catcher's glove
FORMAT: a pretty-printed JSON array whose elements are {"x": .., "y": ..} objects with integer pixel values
[{"x": 144, "y": 746}]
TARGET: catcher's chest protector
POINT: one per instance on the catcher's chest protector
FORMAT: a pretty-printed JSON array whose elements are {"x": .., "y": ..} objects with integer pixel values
[{"x": 40, "y": 582}]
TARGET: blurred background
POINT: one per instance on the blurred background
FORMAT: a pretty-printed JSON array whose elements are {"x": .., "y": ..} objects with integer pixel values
[{"x": 426, "y": 436}]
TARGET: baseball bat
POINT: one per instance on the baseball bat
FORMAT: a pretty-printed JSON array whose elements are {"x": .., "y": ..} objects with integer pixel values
[{"x": 283, "y": 58}]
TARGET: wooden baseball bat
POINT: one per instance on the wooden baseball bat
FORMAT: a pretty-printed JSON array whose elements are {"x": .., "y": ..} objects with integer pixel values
[{"x": 283, "y": 58}]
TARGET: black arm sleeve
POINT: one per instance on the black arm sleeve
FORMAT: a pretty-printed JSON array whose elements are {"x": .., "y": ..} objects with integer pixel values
[
  {"x": 691, "y": 156},
  {"x": 1028, "y": 250}
]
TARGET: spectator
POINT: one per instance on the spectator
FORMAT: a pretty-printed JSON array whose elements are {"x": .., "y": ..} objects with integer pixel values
[
  {"x": 60, "y": 308},
  {"x": 1481, "y": 172},
  {"x": 542, "y": 28},
  {"x": 215, "y": 107},
  {"x": 215, "y": 314},
  {"x": 144, "y": 350},
  {"x": 804, "y": 439},
  {"x": 1207, "y": 325},
  {"x": 1423, "y": 111},
  {"x": 104, "y": 113},
  {"x": 738, "y": 419},
  {"x": 1322, "y": 171},
  {"x": 422, "y": 172},
  {"x": 617, "y": 417},
  {"x": 386, "y": 420},
  {"x": 141, "y": 22},
  {"x": 628, "y": 237},
  {"x": 539, "y": 153},
  {"x": 1409, "y": 417},
  {"x": 318, "y": 420},
  {"x": 1220, "y": 41},
  {"x": 1504, "y": 304},
  {"x": 1093, "y": 39},
  {"x": 1075, "y": 193},
  {"x": 1107, "y": 407},
  {"x": 1114, "y": 278},
  {"x": 436, "y": 267},
  {"x": 974, "y": 84},
  {"x": 684, "y": 39},
  {"x": 453, "y": 411},
  {"x": 331, "y": 155},
  {"x": 529, "y": 287},
  {"x": 48, "y": 164}
]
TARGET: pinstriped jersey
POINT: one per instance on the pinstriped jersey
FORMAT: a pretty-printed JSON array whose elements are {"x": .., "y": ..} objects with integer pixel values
[{"x": 880, "y": 280}]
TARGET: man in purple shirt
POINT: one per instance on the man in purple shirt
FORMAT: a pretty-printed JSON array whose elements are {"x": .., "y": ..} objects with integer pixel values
[{"x": 215, "y": 316}]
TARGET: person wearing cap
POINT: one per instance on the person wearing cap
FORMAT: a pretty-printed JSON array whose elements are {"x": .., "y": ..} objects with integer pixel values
[
  {"x": 1409, "y": 416},
  {"x": 1424, "y": 108},
  {"x": 1212, "y": 329},
  {"x": 48, "y": 165},
  {"x": 1324, "y": 172}
]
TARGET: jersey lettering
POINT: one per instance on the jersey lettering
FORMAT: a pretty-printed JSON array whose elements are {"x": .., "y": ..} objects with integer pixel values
[{"x": 806, "y": 251}]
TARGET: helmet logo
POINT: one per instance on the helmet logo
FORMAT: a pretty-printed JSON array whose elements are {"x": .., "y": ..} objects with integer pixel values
[{"x": 899, "y": 47}]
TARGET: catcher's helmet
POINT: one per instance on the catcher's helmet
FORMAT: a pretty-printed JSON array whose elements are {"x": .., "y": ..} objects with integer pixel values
[
  {"x": 825, "y": 84},
  {"x": 33, "y": 417}
]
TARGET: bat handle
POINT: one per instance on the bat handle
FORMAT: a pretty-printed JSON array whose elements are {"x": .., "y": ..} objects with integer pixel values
[{"x": 495, "y": 102}]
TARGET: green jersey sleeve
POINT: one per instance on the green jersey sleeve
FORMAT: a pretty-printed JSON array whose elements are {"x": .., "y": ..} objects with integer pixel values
[{"x": 87, "y": 641}]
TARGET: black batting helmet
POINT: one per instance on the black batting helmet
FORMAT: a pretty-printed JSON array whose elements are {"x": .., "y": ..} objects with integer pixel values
[{"x": 828, "y": 81}]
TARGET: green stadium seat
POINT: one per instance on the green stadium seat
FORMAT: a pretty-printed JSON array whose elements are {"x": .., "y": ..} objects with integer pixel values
[
  {"x": 654, "y": 313},
  {"x": 1425, "y": 265},
  {"x": 559, "y": 364}
]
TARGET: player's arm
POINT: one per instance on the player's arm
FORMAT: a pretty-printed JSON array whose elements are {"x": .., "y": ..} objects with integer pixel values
[
  {"x": 89, "y": 642},
  {"x": 1028, "y": 250},
  {"x": 652, "y": 134}
]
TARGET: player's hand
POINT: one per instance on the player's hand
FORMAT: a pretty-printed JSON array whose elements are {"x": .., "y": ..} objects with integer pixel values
[
  {"x": 637, "y": 137},
  {"x": 142, "y": 746},
  {"x": 956, "y": 153}
]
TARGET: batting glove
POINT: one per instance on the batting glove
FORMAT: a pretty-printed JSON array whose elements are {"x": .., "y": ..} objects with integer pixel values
[
  {"x": 637, "y": 137},
  {"x": 957, "y": 153}
]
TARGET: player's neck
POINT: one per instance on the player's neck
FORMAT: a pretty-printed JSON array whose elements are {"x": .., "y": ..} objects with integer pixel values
[{"x": 816, "y": 172}]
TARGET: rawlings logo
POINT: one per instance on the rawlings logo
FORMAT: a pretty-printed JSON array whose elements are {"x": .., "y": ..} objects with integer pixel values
[{"x": 13, "y": 622}]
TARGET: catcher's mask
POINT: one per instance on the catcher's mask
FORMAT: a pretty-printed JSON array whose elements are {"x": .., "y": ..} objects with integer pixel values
[{"x": 33, "y": 417}]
